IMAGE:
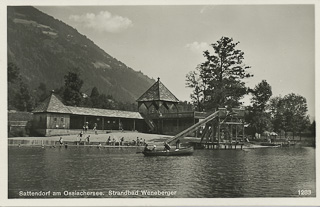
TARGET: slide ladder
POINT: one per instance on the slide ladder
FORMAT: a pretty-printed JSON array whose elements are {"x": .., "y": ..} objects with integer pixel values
[{"x": 194, "y": 127}]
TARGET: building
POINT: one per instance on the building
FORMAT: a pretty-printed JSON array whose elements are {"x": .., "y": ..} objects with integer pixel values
[
  {"x": 158, "y": 113},
  {"x": 158, "y": 106},
  {"x": 19, "y": 123},
  {"x": 52, "y": 117}
]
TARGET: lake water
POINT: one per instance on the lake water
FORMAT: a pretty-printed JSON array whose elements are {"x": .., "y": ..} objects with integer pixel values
[{"x": 116, "y": 172}]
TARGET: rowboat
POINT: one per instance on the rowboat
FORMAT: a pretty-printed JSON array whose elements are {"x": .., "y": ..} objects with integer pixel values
[{"x": 178, "y": 152}]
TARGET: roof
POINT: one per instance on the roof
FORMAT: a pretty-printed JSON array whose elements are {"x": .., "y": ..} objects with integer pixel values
[
  {"x": 158, "y": 92},
  {"x": 104, "y": 112},
  {"x": 52, "y": 104}
]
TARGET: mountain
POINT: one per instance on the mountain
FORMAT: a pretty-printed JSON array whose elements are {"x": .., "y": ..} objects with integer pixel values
[{"x": 45, "y": 49}]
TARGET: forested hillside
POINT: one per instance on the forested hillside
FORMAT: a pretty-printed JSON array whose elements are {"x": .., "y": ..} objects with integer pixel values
[{"x": 45, "y": 49}]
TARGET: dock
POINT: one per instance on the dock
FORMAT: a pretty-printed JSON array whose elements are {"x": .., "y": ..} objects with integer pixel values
[{"x": 217, "y": 145}]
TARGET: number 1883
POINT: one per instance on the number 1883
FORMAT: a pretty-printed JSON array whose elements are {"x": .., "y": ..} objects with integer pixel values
[{"x": 304, "y": 192}]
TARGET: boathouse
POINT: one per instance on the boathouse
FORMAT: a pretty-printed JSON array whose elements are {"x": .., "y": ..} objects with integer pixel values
[
  {"x": 157, "y": 113},
  {"x": 52, "y": 117},
  {"x": 158, "y": 106}
]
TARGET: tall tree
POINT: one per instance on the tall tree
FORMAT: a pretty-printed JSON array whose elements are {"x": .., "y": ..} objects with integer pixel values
[
  {"x": 43, "y": 91},
  {"x": 261, "y": 95},
  {"x": 72, "y": 95},
  {"x": 289, "y": 113},
  {"x": 222, "y": 75},
  {"x": 24, "y": 99},
  {"x": 193, "y": 80},
  {"x": 19, "y": 97},
  {"x": 258, "y": 117}
]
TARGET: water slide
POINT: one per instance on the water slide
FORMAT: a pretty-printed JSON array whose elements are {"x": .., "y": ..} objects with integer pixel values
[{"x": 194, "y": 127}]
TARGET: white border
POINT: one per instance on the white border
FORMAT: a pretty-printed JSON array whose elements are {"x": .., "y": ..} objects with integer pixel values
[{"x": 4, "y": 201}]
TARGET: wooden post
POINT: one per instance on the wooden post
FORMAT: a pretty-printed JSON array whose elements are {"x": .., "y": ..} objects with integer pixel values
[
  {"x": 218, "y": 133},
  {"x": 242, "y": 132},
  {"x": 134, "y": 125},
  {"x": 212, "y": 133},
  {"x": 231, "y": 134},
  {"x": 178, "y": 124},
  {"x": 236, "y": 133},
  {"x": 162, "y": 126},
  {"x": 194, "y": 122},
  {"x": 102, "y": 127}
]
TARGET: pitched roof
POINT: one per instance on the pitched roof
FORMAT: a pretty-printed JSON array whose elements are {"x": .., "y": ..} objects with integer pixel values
[
  {"x": 52, "y": 104},
  {"x": 158, "y": 92},
  {"x": 104, "y": 112}
]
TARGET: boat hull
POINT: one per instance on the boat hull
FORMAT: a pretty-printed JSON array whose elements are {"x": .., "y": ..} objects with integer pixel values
[{"x": 180, "y": 152}]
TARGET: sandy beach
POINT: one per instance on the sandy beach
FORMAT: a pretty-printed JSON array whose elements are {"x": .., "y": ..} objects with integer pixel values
[{"x": 102, "y": 138}]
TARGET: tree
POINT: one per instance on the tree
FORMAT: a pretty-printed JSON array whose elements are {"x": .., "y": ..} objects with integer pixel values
[
  {"x": 24, "y": 99},
  {"x": 312, "y": 128},
  {"x": 222, "y": 75},
  {"x": 276, "y": 111},
  {"x": 19, "y": 97},
  {"x": 194, "y": 81},
  {"x": 94, "y": 93},
  {"x": 258, "y": 117},
  {"x": 72, "y": 95},
  {"x": 13, "y": 72},
  {"x": 289, "y": 113},
  {"x": 95, "y": 98},
  {"x": 261, "y": 95},
  {"x": 43, "y": 92}
]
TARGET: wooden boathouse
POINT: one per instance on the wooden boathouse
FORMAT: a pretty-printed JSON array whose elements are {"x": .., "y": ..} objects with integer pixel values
[{"x": 52, "y": 117}]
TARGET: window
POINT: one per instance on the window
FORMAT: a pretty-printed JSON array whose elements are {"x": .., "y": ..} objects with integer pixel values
[
  {"x": 62, "y": 119},
  {"x": 54, "y": 119}
]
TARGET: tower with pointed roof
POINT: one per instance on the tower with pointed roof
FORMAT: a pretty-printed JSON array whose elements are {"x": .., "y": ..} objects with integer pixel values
[
  {"x": 162, "y": 114},
  {"x": 158, "y": 95}
]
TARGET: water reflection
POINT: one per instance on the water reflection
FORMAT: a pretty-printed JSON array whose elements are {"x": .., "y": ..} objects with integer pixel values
[{"x": 265, "y": 172}]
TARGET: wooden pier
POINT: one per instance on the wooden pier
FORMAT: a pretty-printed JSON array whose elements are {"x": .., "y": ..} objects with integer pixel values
[{"x": 216, "y": 145}]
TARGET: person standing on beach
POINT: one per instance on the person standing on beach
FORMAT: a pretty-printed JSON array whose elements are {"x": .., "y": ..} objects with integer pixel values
[
  {"x": 61, "y": 141},
  {"x": 121, "y": 141},
  {"x": 88, "y": 138},
  {"x": 80, "y": 135}
]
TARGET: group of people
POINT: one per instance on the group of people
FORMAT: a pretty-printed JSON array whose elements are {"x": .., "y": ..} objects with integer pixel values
[
  {"x": 86, "y": 127},
  {"x": 167, "y": 147},
  {"x": 113, "y": 141},
  {"x": 87, "y": 139}
]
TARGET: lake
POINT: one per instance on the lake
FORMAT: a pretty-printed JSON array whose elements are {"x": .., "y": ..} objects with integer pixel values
[{"x": 78, "y": 172}]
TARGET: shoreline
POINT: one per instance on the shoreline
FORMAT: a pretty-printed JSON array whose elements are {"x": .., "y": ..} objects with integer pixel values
[{"x": 96, "y": 139}]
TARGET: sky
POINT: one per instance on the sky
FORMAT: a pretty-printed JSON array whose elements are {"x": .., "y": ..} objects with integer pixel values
[{"x": 168, "y": 41}]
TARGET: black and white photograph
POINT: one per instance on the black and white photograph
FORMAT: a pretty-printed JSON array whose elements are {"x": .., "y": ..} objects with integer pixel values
[{"x": 159, "y": 103}]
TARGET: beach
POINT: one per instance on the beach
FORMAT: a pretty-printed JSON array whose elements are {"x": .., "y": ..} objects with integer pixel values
[{"x": 95, "y": 139}]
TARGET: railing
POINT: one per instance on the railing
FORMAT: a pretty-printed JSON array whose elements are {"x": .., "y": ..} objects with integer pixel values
[{"x": 188, "y": 114}]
